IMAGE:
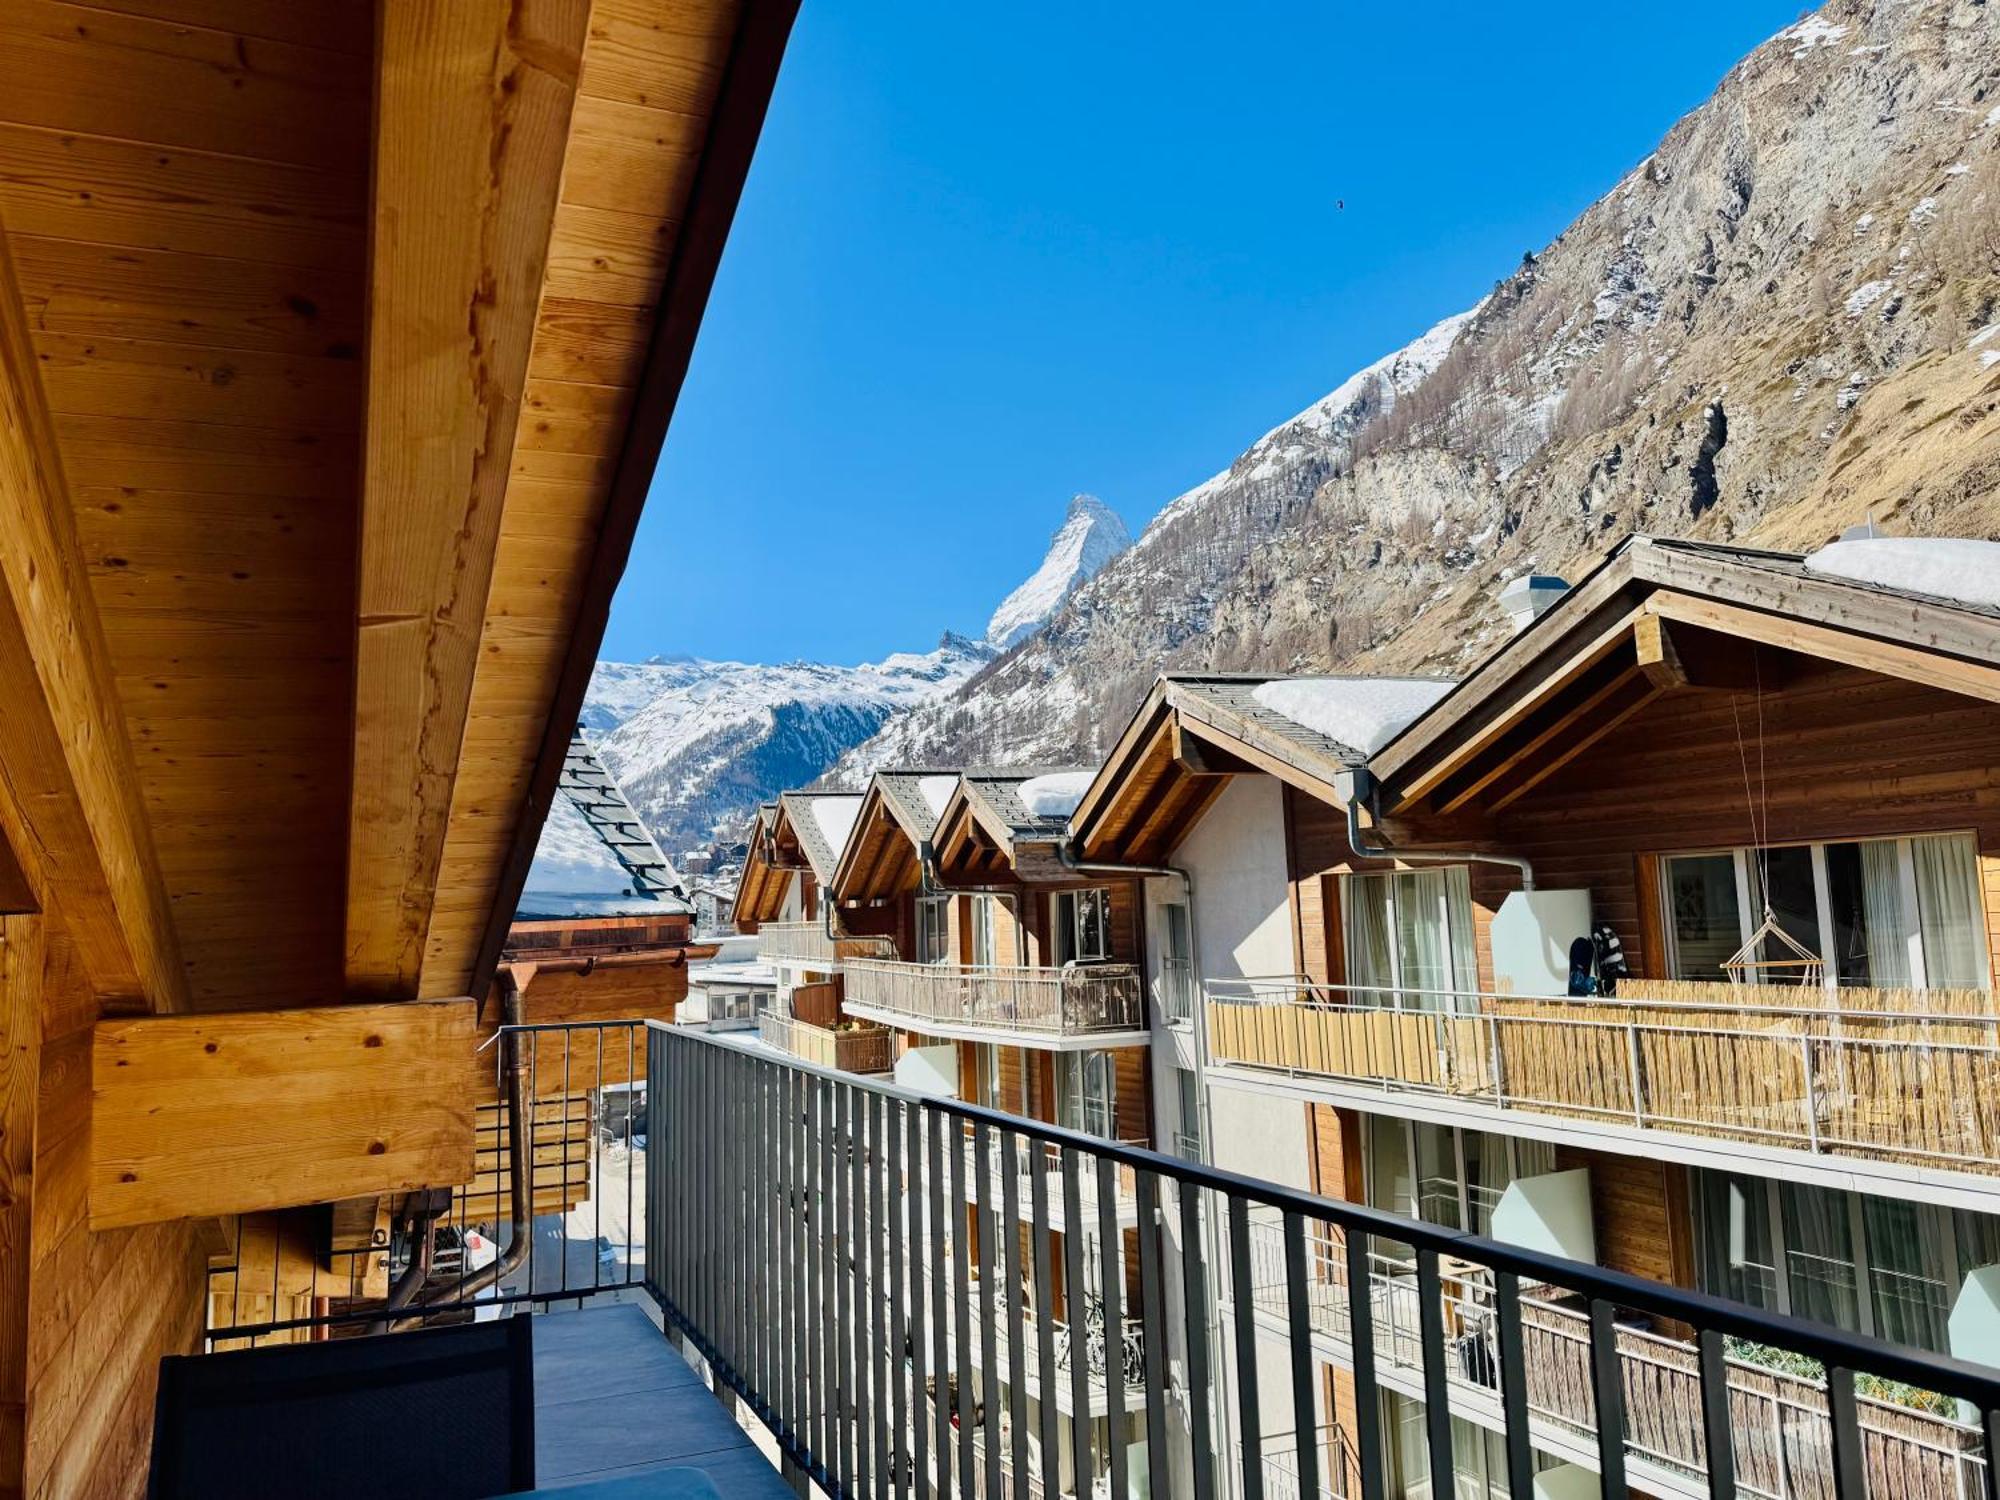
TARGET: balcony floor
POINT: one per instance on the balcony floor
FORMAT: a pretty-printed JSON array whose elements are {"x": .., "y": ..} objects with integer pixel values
[{"x": 612, "y": 1399}]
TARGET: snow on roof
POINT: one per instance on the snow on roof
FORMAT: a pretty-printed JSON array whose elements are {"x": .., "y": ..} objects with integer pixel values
[
  {"x": 835, "y": 816},
  {"x": 1943, "y": 567},
  {"x": 1056, "y": 794},
  {"x": 936, "y": 792},
  {"x": 1362, "y": 713}
]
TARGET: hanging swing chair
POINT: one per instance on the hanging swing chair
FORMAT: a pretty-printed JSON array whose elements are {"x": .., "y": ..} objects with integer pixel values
[{"x": 1795, "y": 963}]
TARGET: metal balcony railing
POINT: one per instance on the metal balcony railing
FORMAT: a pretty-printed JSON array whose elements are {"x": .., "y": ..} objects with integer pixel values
[
  {"x": 1779, "y": 1417},
  {"x": 859, "y": 1049},
  {"x": 1836, "y": 1079},
  {"x": 810, "y": 942},
  {"x": 1074, "y": 998},
  {"x": 792, "y": 1214}
]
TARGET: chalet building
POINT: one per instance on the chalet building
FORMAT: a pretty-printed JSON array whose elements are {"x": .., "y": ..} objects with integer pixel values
[{"x": 1750, "y": 805}]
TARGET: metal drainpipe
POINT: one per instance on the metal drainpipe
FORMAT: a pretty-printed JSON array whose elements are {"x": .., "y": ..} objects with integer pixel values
[
  {"x": 1224, "y": 1376},
  {"x": 927, "y": 883},
  {"x": 1359, "y": 785},
  {"x": 521, "y": 1131}
]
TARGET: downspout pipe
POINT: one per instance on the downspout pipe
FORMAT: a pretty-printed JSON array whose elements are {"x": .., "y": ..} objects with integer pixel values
[
  {"x": 520, "y": 1130},
  {"x": 1359, "y": 785},
  {"x": 928, "y": 884}
]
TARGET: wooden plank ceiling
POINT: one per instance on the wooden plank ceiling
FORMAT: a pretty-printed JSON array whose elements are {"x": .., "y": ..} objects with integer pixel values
[{"x": 336, "y": 533}]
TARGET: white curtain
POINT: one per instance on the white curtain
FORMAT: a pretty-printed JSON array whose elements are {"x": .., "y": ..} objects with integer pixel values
[
  {"x": 1366, "y": 912},
  {"x": 1948, "y": 912},
  {"x": 1882, "y": 912},
  {"x": 1458, "y": 916},
  {"x": 1422, "y": 942}
]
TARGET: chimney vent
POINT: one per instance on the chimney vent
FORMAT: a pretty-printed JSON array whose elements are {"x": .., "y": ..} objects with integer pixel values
[{"x": 1527, "y": 598}]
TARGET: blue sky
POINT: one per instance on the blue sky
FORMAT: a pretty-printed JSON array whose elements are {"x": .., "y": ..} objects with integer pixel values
[{"x": 989, "y": 256}]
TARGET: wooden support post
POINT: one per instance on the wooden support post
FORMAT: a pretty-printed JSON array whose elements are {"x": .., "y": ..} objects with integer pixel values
[{"x": 20, "y": 1078}]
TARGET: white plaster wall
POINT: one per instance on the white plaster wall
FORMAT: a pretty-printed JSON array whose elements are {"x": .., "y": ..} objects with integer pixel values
[{"x": 1242, "y": 908}]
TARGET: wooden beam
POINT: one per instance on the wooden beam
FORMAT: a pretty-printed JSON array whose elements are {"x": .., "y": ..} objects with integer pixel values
[
  {"x": 20, "y": 1079},
  {"x": 193, "y": 1116},
  {"x": 472, "y": 111},
  {"x": 1653, "y": 646},
  {"x": 69, "y": 795},
  {"x": 745, "y": 93},
  {"x": 1910, "y": 663},
  {"x": 1456, "y": 794},
  {"x": 1638, "y": 693},
  {"x": 1538, "y": 684}
]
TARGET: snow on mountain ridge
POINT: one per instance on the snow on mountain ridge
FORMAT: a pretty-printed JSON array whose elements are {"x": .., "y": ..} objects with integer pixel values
[{"x": 1092, "y": 533}]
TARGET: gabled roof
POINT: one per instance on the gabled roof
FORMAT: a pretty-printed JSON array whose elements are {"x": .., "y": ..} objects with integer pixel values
[
  {"x": 1655, "y": 617},
  {"x": 987, "y": 831},
  {"x": 595, "y": 857},
  {"x": 760, "y": 892},
  {"x": 1193, "y": 731},
  {"x": 817, "y": 824},
  {"x": 898, "y": 813}
]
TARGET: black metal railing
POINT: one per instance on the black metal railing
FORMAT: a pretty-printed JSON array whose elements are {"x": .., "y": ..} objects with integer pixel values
[
  {"x": 563, "y": 1132},
  {"x": 814, "y": 1237}
]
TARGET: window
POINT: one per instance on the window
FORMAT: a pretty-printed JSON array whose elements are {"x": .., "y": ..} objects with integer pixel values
[
  {"x": 1880, "y": 1266},
  {"x": 1083, "y": 926},
  {"x": 1003, "y": 1078},
  {"x": 1087, "y": 1094},
  {"x": 933, "y": 935},
  {"x": 981, "y": 924},
  {"x": 1883, "y": 913},
  {"x": 1444, "y": 1175},
  {"x": 1410, "y": 932},
  {"x": 1189, "y": 1099},
  {"x": 1176, "y": 963}
]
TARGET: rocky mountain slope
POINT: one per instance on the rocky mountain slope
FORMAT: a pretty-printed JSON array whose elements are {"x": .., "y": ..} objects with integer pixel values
[{"x": 1779, "y": 322}]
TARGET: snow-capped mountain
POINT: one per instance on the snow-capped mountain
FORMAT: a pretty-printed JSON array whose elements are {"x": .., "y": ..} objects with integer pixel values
[
  {"x": 1781, "y": 321},
  {"x": 1090, "y": 536},
  {"x": 696, "y": 745}
]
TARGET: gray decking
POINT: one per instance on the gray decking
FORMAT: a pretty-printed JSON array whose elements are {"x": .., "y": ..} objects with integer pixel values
[{"x": 612, "y": 1398}]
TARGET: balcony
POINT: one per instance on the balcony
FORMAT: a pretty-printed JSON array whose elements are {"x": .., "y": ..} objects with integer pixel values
[
  {"x": 1779, "y": 1416},
  {"x": 810, "y": 944},
  {"x": 800, "y": 1235},
  {"x": 851, "y": 1049},
  {"x": 1875, "y": 1077},
  {"x": 961, "y": 999}
]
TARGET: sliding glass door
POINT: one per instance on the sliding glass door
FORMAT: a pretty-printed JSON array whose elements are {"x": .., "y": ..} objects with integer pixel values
[{"x": 1408, "y": 937}]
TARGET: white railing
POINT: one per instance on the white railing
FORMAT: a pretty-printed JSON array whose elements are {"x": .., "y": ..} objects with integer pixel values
[
  {"x": 810, "y": 942},
  {"x": 1842, "y": 1080},
  {"x": 1074, "y": 998},
  {"x": 1336, "y": 1460},
  {"x": 1783, "y": 1448}
]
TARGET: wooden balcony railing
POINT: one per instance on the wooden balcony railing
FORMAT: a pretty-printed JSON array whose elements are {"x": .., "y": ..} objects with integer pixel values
[
  {"x": 1858, "y": 1078},
  {"x": 854, "y": 1049},
  {"x": 1779, "y": 1418},
  {"x": 810, "y": 941},
  {"x": 1074, "y": 998}
]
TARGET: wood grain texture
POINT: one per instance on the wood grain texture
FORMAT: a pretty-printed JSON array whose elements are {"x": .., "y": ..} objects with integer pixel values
[
  {"x": 652, "y": 73},
  {"x": 69, "y": 797},
  {"x": 473, "y": 116},
  {"x": 205, "y": 1115},
  {"x": 20, "y": 1078}
]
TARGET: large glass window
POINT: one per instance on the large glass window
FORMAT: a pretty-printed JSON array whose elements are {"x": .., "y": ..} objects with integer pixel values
[
  {"x": 1083, "y": 926},
  {"x": 1882, "y": 913},
  {"x": 933, "y": 935},
  {"x": 1087, "y": 1093},
  {"x": 1444, "y": 1175},
  {"x": 1873, "y": 1265},
  {"x": 1410, "y": 933}
]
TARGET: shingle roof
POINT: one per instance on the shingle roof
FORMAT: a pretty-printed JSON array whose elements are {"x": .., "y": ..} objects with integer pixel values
[
  {"x": 624, "y": 850},
  {"x": 999, "y": 788},
  {"x": 819, "y": 850}
]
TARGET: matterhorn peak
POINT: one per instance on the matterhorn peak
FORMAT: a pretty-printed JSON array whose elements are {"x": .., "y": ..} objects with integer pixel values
[{"x": 1090, "y": 536}]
